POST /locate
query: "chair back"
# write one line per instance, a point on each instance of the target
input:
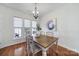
(30, 44)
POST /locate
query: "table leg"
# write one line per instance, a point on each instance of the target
(44, 52)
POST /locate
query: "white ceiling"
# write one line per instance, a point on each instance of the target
(43, 8)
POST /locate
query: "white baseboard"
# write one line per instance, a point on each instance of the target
(11, 43)
(68, 48)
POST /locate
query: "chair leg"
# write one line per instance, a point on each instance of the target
(28, 52)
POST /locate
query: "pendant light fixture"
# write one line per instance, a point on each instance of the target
(35, 12)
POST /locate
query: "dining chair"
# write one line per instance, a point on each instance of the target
(32, 48)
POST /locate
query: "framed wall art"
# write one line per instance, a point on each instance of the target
(52, 24)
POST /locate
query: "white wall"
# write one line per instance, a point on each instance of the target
(67, 25)
(6, 25)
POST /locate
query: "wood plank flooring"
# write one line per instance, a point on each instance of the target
(20, 50)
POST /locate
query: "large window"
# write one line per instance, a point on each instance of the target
(18, 24)
(23, 27)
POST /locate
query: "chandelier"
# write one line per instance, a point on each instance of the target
(35, 11)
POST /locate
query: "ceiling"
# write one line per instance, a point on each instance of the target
(44, 8)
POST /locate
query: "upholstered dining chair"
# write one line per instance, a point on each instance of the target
(32, 48)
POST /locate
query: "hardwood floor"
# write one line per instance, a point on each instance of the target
(20, 50)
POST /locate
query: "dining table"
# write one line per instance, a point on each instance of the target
(45, 42)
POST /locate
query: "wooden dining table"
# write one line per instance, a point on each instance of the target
(45, 42)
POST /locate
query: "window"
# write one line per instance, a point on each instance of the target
(34, 23)
(27, 27)
(23, 27)
(17, 32)
(34, 26)
(27, 23)
(18, 24)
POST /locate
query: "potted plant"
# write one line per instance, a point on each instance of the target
(38, 30)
